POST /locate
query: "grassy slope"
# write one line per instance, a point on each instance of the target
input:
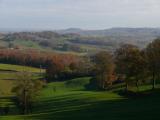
(7, 75)
(70, 101)
(9, 72)
(27, 44)
(18, 68)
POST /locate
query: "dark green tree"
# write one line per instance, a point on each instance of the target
(153, 58)
(130, 63)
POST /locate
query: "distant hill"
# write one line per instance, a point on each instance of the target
(78, 40)
(154, 32)
(70, 30)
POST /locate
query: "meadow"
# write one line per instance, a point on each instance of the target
(70, 100)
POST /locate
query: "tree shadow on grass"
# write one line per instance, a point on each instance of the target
(8, 106)
(103, 110)
(117, 109)
(139, 94)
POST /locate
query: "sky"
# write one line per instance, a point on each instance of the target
(85, 14)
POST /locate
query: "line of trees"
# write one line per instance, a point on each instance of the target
(130, 64)
(67, 67)
(24, 57)
(58, 66)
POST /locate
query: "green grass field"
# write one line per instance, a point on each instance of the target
(18, 68)
(8, 74)
(71, 100)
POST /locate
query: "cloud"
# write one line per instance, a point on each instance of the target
(79, 13)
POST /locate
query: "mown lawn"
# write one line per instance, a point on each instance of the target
(72, 101)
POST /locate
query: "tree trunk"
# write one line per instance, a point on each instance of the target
(126, 89)
(25, 101)
(137, 85)
(153, 81)
(102, 81)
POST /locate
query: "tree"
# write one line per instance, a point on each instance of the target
(55, 68)
(26, 88)
(130, 63)
(153, 57)
(82, 67)
(67, 66)
(104, 69)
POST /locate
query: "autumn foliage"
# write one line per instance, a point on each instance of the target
(128, 63)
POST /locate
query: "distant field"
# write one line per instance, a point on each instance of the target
(8, 67)
(8, 74)
(6, 87)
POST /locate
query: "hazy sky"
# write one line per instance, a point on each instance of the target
(87, 14)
